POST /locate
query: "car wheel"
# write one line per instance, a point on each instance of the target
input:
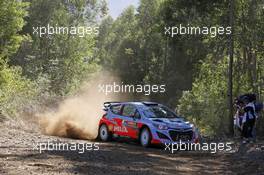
(145, 137)
(104, 133)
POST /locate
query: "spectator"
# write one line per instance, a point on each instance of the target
(249, 119)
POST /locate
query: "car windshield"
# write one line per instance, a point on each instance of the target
(159, 111)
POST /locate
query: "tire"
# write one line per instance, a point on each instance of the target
(104, 133)
(145, 137)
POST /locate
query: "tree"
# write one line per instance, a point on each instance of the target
(230, 72)
(11, 22)
(15, 90)
(65, 59)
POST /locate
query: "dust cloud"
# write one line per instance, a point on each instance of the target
(78, 116)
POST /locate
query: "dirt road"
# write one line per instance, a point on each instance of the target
(19, 156)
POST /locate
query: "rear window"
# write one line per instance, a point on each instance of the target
(116, 109)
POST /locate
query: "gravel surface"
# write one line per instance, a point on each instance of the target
(20, 154)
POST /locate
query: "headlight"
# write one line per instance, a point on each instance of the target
(161, 126)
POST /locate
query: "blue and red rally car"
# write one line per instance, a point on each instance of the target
(149, 122)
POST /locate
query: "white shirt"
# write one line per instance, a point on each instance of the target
(250, 115)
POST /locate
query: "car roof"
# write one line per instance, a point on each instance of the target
(144, 103)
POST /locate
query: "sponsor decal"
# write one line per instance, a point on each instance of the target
(120, 129)
(131, 124)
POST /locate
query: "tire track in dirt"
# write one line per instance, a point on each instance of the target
(18, 157)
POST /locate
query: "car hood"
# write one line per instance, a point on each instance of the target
(177, 123)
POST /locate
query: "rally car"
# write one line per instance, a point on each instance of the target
(148, 122)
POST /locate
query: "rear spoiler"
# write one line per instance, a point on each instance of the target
(147, 103)
(107, 105)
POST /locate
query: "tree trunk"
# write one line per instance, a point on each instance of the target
(230, 74)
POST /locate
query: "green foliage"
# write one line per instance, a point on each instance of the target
(66, 60)
(193, 67)
(135, 46)
(12, 13)
(31, 66)
(15, 90)
(206, 103)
